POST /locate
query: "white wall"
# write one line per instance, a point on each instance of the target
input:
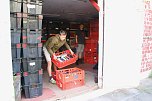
(101, 41)
(146, 64)
(122, 43)
(123, 38)
(6, 78)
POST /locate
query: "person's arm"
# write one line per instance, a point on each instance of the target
(76, 39)
(86, 35)
(49, 45)
(68, 47)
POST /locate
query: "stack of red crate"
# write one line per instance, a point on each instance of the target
(94, 29)
(70, 78)
(91, 57)
(90, 51)
(91, 45)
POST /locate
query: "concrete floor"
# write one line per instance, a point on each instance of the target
(58, 94)
(62, 94)
(143, 92)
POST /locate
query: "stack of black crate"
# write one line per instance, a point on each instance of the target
(15, 29)
(31, 48)
(15, 20)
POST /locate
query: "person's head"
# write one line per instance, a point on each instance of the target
(62, 35)
(81, 26)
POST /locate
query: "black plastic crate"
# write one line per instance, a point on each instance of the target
(16, 0)
(31, 8)
(32, 91)
(30, 78)
(25, 21)
(16, 64)
(33, 22)
(17, 87)
(33, 1)
(31, 37)
(15, 19)
(15, 36)
(24, 1)
(32, 50)
(39, 7)
(24, 6)
(16, 50)
(40, 17)
(15, 6)
(19, 1)
(31, 64)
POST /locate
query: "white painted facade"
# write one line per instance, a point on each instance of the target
(123, 39)
(122, 47)
(123, 35)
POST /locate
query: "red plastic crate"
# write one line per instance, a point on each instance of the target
(94, 29)
(91, 41)
(71, 74)
(90, 61)
(95, 37)
(90, 57)
(64, 63)
(94, 33)
(71, 84)
(94, 23)
(91, 47)
(90, 54)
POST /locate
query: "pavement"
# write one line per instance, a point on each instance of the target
(143, 92)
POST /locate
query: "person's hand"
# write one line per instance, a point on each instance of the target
(71, 52)
(54, 56)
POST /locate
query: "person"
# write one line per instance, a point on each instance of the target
(51, 46)
(81, 35)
